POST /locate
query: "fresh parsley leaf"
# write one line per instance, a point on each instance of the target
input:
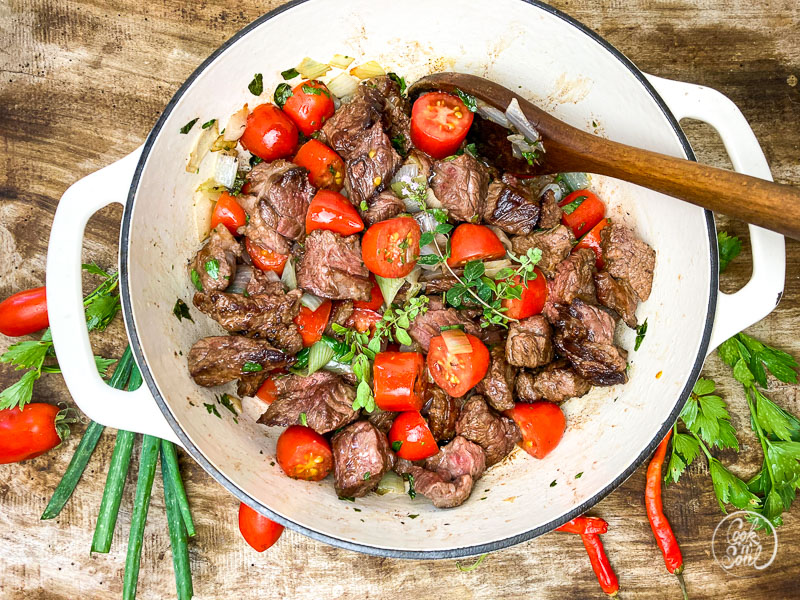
(212, 268)
(641, 331)
(531, 157)
(209, 123)
(469, 101)
(367, 475)
(282, 93)
(251, 367)
(572, 206)
(412, 493)
(289, 74)
(400, 81)
(19, 393)
(95, 270)
(101, 311)
(226, 401)
(256, 86)
(196, 280)
(729, 248)
(397, 445)
(254, 160)
(314, 91)
(706, 416)
(471, 149)
(772, 418)
(303, 419)
(27, 355)
(103, 364)
(364, 206)
(399, 144)
(187, 128)
(181, 311)
(212, 410)
(729, 489)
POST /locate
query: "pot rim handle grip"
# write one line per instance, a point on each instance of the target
(134, 411)
(763, 292)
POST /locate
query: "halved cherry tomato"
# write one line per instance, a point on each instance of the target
(24, 312)
(30, 431)
(325, 167)
(542, 424)
(268, 392)
(474, 242)
(456, 374)
(256, 529)
(363, 320)
(229, 213)
(582, 211)
(331, 210)
(399, 380)
(391, 248)
(304, 454)
(264, 259)
(269, 133)
(592, 241)
(439, 123)
(311, 323)
(412, 437)
(375, 297)
(533, 297)
(309, 106)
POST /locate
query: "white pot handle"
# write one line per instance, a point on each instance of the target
(134, 411)
(762, 293)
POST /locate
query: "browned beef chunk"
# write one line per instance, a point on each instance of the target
(371, 165)
(258, 231)
(248, 384)
(361, 456)
(461, 185)
(618, 295)
(551, 211)
(344, 129)
(443, 493)
(381, 207)
(332, 267)
(266, 316)
(628, 258)
(511, 206)
(325, 399)
(261, 283)
(340, 312)
(429, 324)
(557, 382)
(494, 433)
(574, 278)
(382, 419)
(396, 111)
(498, 383)
(215, 263)
(219, 359)
(555, 244)
(442, 411)
(529, 343)
(459, 457)
(284, 193)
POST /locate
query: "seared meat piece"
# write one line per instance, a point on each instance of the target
(557, 382)
(494, 433)
(258, 231)
(371, 165)
(381, 207)
(396, 111)
(442, 492)
(628, 258)
(219, 359)
(260, 283)
(382, 419)
(340, 312)
(574, 278)
(599, 324)
(498, 383)
(429, 324)
(442, 411)
(555, 244)
(618, 295)
(215, 263)
(248, 384)
(361, 456)
(345, 128)
(440, 284)
(511, 206)
(529, 343)
(459, 457)
(284, 194)
(332, 267)
(461, 185)
(267, 316)
(323, 396)
(551, 211)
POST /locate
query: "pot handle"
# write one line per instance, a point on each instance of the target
(134, 411)
(761, 294)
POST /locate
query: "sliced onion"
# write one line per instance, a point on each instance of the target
(576, 181)
(493, 114)
(201, 147)
(456, 341)
(202, 208)
(413, 282)
(334, 366)
(225, 170)
(311, 69)
(319, 356)
(501, 235)
(289, 277)
(310, 301)
(236, 124)
(340, 61)
(343, 85)
(240, 280)
(556, 189)
(427, 222)
(391, 483)
(433, 201)
(493, 267)
(367, 70)
(389, 287)
(520, 122)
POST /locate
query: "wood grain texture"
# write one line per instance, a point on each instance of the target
(82, 82)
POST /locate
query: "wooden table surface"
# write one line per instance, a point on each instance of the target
(82, 82)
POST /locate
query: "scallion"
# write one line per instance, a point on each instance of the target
(318, 356)
(389, 287)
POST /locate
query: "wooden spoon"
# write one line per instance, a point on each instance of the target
(568, 149)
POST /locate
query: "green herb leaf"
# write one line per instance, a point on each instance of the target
(95, 270)
(212, 410)
(27, 355)
(412, 493)
(367, 475)
(364, 206)
(101, 311)
(572, 206)
(641, 331)
(212, 268)
(188, 127)
(181, 311)
(429, 259)
(469, 101)
(196, 280)
(303, 419)
(289, 74)
(400, 81)
(20, 393)
(729, 489)
(209, 123)
(314, 91)
(397, 445)
(530, 157)
(226, 401)
(251, 367)
(474, 270)
(254, 160)
(282, 93)
(473, 566)
(729, 248)
(256, 86)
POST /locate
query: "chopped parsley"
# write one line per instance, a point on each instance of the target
(289, 74)
(572, 206)
(303, 419)
(225, 400)
(251, 367)
(399, 144)
(212, 268)
(256, 86)
(186, 128)
(397, 445)
(553, 483)
(641, 330)
(364, 206)
(315, 91)
(729, 248)
(400, 81)
(209, 123)
(530, 157)
(367, 476)
(282, 93)
(181, 311)
(469, 101)
(212, 410)
(579, 475)
(196, 280)
(411, 491)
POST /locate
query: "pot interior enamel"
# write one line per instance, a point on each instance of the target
(561, 67)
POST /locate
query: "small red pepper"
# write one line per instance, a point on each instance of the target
(602, 567)
(584, 525)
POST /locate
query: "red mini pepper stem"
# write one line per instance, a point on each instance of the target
(584, 525)
(602, 567)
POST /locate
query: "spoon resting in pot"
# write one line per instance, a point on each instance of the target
(568, 149)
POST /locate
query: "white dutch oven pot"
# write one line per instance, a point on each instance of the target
(554, 61)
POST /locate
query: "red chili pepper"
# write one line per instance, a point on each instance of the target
(602, 568)
(584, 525)
(658, 520)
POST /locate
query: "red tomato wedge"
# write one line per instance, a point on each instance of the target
(330, 210)
(311, 323)
(268, 392)
(363, 320)
(228, 212)
(24, 312)
(30, 431)
(592, 241)
(269, 133)
(375, 298)
(439, 123)
(399, 380)
(542, 425)
(474, 242)
(533, 297)
(411, 438)
(264, 259)
(582, 211)
(304, 454)
(309, 106)
(456, 374)
(256, 529)
(325, 167)
(391, 248)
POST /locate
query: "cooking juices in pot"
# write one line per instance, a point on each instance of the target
(413, 305)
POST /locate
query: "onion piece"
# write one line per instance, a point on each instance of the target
(318, 356)
(521, 123)
(236, 125)
(367, 70)
(456, 341)
(501, 235)
(413, 282)
(575, 181)
(493, 267)
(334, 366)
(557, 191)
(391, 483)
(201, 147)
(389, 287)
(239, 283)
(289, 277)
(341, 61)
(311, 69)
(493, 114)
(203, 207)
(343, 85)
(310, 301)
(226, 169)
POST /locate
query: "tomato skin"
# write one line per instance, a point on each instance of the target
(592, 241)
(228, 212)
(268, 392)
(28, 432)
(363, 320)
(399, 380)
(459, 373)
(269, 133)
(381, 247)
(474, 242)
(586, 216)
(304, 454)
(417, 442)
(330, 210)
(309, 111)
(24, 312)
(439, 123)
(256, 529)
(325, 167)
(264, 259)
(533, 298)
(311, 323)
(375, 298)
(542, 425)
